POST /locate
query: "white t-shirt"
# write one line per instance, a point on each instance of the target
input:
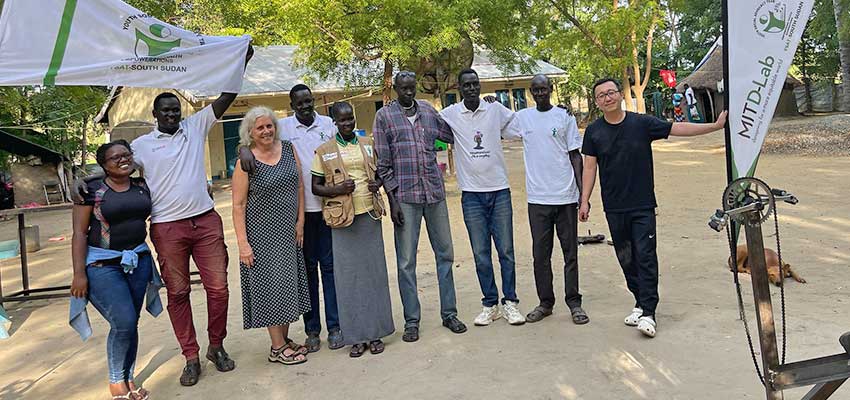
(547, 139)
(174, 168)
(306, 139)
(478, 145)
(689, 96)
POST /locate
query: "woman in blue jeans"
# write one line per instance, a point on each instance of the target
(112, 263)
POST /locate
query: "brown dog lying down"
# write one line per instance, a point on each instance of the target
(772, 260)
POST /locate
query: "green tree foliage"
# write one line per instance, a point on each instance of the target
(58, 117)
(596, 38)
(817, 55)
(699, 26)
(344, 39)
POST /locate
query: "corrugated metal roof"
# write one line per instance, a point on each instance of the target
(19, 146)
(271, 71)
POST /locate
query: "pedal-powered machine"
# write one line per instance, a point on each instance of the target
(749, 202)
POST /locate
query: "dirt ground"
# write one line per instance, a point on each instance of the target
(700, 351)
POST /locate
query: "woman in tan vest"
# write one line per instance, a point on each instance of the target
(344, 176)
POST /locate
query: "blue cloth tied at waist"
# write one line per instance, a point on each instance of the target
(79, 318)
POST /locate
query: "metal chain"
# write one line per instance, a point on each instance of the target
(741, 311)
(781, 282)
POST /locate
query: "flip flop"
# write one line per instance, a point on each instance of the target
(376, 347)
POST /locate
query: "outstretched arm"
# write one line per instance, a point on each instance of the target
(691, 129)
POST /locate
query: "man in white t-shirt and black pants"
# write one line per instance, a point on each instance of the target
(477, 127)
(552, 174)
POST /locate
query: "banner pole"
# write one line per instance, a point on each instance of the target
(727, 132)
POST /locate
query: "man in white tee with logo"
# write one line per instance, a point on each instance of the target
(486, 195)
(553, 169)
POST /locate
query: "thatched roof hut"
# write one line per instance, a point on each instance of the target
(703, 80)
(710, 71)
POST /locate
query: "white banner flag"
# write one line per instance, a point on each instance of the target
(109, 43)
(763, 37)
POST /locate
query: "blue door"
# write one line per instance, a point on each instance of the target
(231, 144)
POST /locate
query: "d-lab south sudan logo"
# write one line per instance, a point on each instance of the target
(157, 43)
(770, 18)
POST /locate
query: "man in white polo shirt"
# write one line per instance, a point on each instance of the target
(184, 222)
(553, 169)
(477, 127)
(307, 130)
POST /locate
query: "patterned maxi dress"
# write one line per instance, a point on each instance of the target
(274, 289)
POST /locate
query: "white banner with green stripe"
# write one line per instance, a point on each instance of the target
(763, 36)
(109, 43)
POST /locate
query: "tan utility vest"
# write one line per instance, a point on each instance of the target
(338, 211)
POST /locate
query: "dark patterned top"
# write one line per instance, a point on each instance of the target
(119, 219)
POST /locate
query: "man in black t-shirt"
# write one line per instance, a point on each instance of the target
(620, 144)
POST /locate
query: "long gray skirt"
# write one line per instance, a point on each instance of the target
(360, 275)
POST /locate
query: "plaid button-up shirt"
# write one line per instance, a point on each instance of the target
(407, 159)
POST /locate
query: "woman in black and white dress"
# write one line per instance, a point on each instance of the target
(268, 216)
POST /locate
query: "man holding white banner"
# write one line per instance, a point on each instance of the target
(109, 43)
(620, 144)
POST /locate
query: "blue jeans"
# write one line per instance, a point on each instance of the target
(489, 215)
(406, 243)
(319, 257)
(119, 298)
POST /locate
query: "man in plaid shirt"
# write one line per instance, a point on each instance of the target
(404, 134)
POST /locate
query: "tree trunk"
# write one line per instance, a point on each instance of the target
(807, 85)
(387, 88)
(641, 102)
(627, 91)
(842, 15)
(84, 143)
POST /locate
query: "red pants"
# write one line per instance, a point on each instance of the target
(201, 237)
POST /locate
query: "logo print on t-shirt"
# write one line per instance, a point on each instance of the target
(477, 138)
(554, 131)
(322, 135)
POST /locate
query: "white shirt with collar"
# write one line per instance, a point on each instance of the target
(478, 145)
(174, 168)
(306, 139)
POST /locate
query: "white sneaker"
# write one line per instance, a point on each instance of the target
(488, 315)
(647, 325)
(632, 319)
(512, 313)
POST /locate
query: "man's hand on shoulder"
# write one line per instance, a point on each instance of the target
(247, 160)
(80, 188)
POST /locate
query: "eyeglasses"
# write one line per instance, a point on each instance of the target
(610, 93)
(116, 158)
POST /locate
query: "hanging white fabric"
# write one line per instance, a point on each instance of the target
(109, 43)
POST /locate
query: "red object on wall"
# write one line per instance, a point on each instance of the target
(668, 76)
